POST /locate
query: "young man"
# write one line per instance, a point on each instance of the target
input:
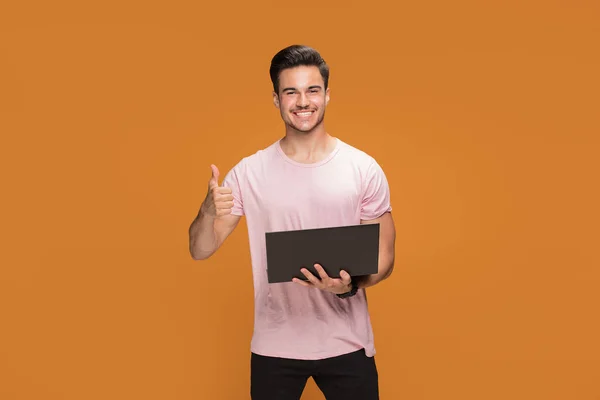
(308, 179)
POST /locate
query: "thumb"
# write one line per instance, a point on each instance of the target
(346, 278)
(214, 179)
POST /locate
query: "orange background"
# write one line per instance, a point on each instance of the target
(485, 118)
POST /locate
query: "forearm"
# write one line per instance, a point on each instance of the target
(386, 266)
(203, 238)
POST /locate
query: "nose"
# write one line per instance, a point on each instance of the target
(302, 100)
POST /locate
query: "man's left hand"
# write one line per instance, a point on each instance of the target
(334, 285)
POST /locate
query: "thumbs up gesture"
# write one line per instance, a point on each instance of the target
(219, 200)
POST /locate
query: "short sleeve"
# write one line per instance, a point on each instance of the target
(376, 193)
(233, 181)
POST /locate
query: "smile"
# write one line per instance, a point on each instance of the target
(304, 113)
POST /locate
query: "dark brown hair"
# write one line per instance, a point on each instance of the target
(295, 56)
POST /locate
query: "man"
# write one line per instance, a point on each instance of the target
(308, 179)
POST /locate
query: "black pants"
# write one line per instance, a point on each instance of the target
(347, 377)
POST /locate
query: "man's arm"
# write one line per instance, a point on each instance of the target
(387, 240)
(214, 222)
(207, 233)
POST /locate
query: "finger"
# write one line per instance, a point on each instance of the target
(222, 190)
(212, 184)
(223, 205)
(321, 272)
(346, 278)
(223, 197)
(215, 172)
(301, 282)
(214, 179)
(313, 279)
(222, 212)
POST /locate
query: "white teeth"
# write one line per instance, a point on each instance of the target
(304, 114)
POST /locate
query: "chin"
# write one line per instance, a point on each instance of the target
(303, 129)
(306, 130)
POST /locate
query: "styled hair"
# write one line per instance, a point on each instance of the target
(294, 56)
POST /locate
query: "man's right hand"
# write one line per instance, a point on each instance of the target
(219, 200)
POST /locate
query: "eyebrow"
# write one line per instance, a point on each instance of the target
(310, 87)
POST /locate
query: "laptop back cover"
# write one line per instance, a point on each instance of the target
(353, 248)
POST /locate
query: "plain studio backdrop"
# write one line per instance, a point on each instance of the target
(484, 116)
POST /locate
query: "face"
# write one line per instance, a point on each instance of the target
(302, 98)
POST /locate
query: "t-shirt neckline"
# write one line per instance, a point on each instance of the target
(309, 165)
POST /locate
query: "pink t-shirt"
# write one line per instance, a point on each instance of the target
(276, 193)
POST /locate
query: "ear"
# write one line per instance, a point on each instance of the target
(275, 100)
(327, 96)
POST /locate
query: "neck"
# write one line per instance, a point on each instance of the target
(307, 146)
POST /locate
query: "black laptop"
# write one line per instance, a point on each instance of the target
(353, 248)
